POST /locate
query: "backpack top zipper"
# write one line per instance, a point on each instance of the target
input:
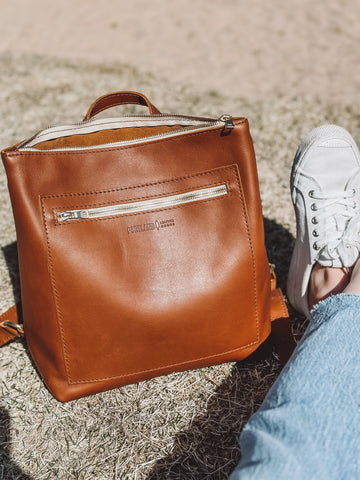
(90, 126)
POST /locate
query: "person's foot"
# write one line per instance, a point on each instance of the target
(325, 190)
(326, 281)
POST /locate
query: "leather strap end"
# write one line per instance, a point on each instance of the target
(10, 328)
(282, 337)
(278, 305)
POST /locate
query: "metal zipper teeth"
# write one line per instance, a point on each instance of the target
(95, 121)
(145, 205)
(89, 129)
(107, 124)
(127, 142)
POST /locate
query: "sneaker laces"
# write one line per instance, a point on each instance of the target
(339, 240)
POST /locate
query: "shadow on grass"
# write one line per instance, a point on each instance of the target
(279, 246)
(12, 262)
(8, 469)
(209, 448)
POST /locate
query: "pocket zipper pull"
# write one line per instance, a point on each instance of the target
(151, 204)
(227, 119)
(70, 215)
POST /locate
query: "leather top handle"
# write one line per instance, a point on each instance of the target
(119, 98)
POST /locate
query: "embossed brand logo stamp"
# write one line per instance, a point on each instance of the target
(157, 225)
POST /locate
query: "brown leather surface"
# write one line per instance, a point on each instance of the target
(104, 306)
(119, 98)
(278, 307)
(281, 330)
(105, 136)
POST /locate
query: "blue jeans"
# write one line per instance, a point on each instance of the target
(308, 426)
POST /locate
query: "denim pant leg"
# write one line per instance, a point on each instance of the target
(308, 426)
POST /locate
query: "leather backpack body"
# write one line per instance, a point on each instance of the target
(141, 247)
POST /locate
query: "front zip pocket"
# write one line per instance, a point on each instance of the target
(157, 266)
(145, 205)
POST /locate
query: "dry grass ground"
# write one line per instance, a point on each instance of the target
(183, 426)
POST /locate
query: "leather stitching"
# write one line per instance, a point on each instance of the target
(243, 204)
(187, 362)
(56, 295)
(139, 185)
(52, 275)
(161, 367)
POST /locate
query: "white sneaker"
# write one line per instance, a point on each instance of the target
(325, 191)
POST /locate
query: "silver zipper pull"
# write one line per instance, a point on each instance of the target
(70, 215)
(63, 216)
(227, 119)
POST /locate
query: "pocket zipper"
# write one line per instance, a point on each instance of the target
(144, 205)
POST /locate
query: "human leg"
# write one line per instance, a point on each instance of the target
(308, 425)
